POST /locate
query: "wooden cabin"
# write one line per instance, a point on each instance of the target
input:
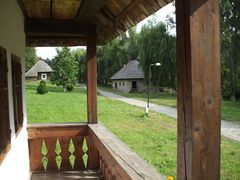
(90, 23)
(130, 78)
(40, 71)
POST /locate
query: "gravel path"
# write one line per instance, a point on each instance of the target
(230, 130)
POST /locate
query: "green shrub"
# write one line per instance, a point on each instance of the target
(42, 88)
(69, 87)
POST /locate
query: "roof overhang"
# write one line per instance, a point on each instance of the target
(71, 22)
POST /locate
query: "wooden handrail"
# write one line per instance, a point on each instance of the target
(117, 160)
(38, 131)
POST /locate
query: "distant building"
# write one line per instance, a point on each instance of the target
(130, 78)
(40, 71)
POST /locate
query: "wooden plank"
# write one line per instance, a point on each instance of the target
(68, 175)
(65, 143)
(56, 27)
(56, 130)
(35, 154)
(51, 154)
(65, 9)
(91, 80)
(88, 10)
(78, 145)
(51, 40)
(93, 155)
(118, 157)
(198, 65)
(37, 9)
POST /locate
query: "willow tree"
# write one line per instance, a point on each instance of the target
(110, 58)
(157, 45)
(30, 58)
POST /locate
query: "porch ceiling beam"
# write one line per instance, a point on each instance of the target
(33, 27)
(88, 10)
(33, 41)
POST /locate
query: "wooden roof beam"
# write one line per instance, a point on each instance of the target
(34, 41)
(34, 27)
(88, 10)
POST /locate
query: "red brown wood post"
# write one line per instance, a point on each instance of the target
(91, 80)
(198, 66)
(93, 158)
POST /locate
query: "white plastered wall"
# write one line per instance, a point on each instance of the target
(127, 87)
(12, 37)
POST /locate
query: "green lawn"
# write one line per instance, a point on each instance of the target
(153, 137)
(230, 109)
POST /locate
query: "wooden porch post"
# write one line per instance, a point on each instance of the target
(198, 66)
(91, 80)
(93, 156)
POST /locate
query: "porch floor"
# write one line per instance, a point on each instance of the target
(68, 175)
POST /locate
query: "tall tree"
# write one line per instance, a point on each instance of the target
(110, 58)
(80, 57)
(30, 58)
(157, 45)
(65, 68)
(230, 38)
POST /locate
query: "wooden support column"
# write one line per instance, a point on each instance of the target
(198, 66)
(93, 156)
(91, 80)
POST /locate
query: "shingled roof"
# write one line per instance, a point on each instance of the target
(40, 66)
(131, 71)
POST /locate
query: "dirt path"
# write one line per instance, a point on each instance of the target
(230, 130)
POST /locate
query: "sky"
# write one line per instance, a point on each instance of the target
(50, 52)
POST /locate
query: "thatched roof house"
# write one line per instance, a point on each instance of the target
(129, 78)
(40, 71)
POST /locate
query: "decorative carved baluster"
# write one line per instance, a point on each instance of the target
(78, 144)
(58, 157)
(35, 147)
(51, 155)
(64, 143)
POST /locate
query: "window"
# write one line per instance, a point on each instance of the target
(5, 132)
(17, 92)
(43, 76)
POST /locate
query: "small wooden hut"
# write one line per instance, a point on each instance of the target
(40, 71)
(130, 78)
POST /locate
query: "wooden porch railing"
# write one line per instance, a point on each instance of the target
(60, 147)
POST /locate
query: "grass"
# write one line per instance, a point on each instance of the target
(153, 138)
(230, 110)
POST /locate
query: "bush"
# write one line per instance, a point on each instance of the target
(42, 88)
(69, 87)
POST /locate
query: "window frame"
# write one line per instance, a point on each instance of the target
(5, 130)
(17, 93)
